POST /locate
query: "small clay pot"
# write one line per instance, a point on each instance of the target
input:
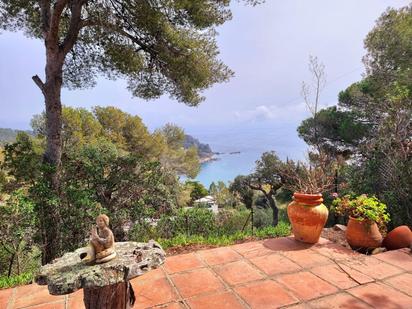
(308, 216)
(400, 237)
(363, 234)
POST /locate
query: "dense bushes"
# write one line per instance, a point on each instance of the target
(199, 223)
(262, 217)
(8, 282)
(231, 221)
(196, 221)
(282, 229)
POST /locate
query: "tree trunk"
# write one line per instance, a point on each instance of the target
(18, 263)
(272, 203)
(115, 296)
(251, 213)
(52, 157)
(11, 264)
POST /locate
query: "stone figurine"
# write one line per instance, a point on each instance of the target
(101, 248)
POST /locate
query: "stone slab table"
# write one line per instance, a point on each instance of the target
(105, 285)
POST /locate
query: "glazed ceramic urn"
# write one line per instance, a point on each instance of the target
(308, 216)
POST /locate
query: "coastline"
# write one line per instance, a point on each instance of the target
(208, 159)
(214, 156)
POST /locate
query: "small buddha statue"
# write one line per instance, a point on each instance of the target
(101, 248)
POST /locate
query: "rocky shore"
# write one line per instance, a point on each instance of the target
(208, 158)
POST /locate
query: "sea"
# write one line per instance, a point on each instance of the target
(240, 148)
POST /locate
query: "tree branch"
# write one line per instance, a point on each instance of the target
(116, 29)
(45, 16)
(257, 188)
(55, 20)
(38, 82)
(74, 27)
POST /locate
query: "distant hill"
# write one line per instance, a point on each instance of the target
(9, 135)
(204, 150)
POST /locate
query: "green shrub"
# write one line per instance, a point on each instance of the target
(198, 190)
(230, 221)
(142, 232)
(262, 217)
(284, 196)
(282, 229)
(12, 281)
(194, 221)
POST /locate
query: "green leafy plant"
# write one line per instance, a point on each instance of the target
(181, 240)
(362, 208)
(9, 282)
(231, 221)
(17, 222)
(195, 221)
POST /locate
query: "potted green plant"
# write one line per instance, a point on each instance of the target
(367, 216)
(306, 212)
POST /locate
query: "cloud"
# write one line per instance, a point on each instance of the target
(284, 113)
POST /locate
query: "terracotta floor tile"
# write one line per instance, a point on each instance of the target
(75, 300)
(397, 258)
(247, 246)
(274, 264)
(265, 294)
(402, 282)
(33, 294)
(238, 272)
(219, 255)
(372, 267)
(258, 252)
(335, 275)
(285, 244)
(335, 252)
(153, 292)
(182, 262)
(172, 306)
(241, 264)
(222, 300)
(58, 305)
(306, 285)
(151, 275)
(5, 296)
(357, 276)
(341, 301)
(382, 296)
(196, 282)
(300, 306)
(307, 258)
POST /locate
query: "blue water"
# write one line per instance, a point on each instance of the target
(251, 143)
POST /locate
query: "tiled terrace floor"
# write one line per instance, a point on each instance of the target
(275, 273)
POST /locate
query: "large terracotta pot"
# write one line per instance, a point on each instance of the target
(308, 216)
(363, 234)
(400, 237)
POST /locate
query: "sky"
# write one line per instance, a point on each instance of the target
(268, 48)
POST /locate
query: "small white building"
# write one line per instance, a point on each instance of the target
(210, 202)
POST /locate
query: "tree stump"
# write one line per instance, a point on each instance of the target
(105, 286)
(115, 296)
